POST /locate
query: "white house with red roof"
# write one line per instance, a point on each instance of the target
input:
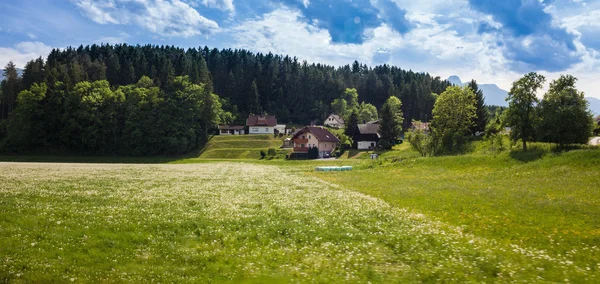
(261, 124)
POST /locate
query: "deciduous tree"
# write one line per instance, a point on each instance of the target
(521, 107)
(563, 114)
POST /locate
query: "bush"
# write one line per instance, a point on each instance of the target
(262, 154)
(271, 152)
(313, 153)
(421, 142)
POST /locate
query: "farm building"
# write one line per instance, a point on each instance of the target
(366, 136)
(232, 130)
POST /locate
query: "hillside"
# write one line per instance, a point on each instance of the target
(240, 146)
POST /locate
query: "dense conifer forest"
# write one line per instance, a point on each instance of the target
(122, 99)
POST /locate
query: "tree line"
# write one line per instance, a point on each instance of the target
(97, 118)
(296, 92)
(91, 90)
(562, 116)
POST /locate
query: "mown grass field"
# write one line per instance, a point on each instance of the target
(474, 218)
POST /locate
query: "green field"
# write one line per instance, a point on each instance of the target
(474, 218)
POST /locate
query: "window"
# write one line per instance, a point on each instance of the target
(303, 137)
(309, 137)
(267, 129)
(255, 129)
(301, 145)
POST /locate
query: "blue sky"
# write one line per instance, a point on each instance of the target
(488, 40)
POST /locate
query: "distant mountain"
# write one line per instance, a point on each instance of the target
(19, 71)
(493, 94)
(455, 80)
(594, 105)
(497, 97)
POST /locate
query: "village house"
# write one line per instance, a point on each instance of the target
(231, 130)
(334, 120)
(366, 136)
(261, 124)
(315, 136)
(420, 126)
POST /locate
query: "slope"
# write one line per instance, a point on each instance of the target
(239, 146)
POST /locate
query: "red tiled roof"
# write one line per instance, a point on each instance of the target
(261, 120)
(320, 133)
(231, 127)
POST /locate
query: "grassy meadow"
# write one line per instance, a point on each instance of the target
(507, 217)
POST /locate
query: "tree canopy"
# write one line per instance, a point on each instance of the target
(563, 114)
(521, 102)
(453, 116)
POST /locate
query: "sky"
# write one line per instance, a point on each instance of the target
(488, 40)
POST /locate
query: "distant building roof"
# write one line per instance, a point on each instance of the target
(336, 117)
(261, 120)
(424, 126)
(231, 127)
(320, 133)
(368, 129)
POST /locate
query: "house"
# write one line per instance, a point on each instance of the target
(261, 124)
(315, 136)
(335, 121)
(288, 143)
(420, 126)
(366, 136)
(231, 130)
(282, 129)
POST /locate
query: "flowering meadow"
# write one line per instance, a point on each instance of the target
(235, 222)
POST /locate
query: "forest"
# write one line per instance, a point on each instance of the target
(148, 100)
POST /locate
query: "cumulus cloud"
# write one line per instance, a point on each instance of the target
(531, 37)
(226, 5)
(428, 47)
(22, 52)
(162, 17)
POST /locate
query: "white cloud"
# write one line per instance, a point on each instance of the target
(163, 17)
(429, 47)
(22, 52)
(121, 38)
(226, 5)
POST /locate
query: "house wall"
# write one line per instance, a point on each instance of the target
(365, 145)
(334, 124)
(312, 140)
(261, 130)
(228, 132)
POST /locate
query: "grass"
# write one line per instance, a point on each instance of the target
(241, 147)
(477, 217)
(234, 222)
(540, 199)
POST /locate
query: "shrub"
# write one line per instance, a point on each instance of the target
(313, 153)
(262, 154)
(271, 152)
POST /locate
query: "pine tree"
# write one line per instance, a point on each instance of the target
(254, 99)
(351, 124)
(10, 88)
(390, 124)
(481, 114)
